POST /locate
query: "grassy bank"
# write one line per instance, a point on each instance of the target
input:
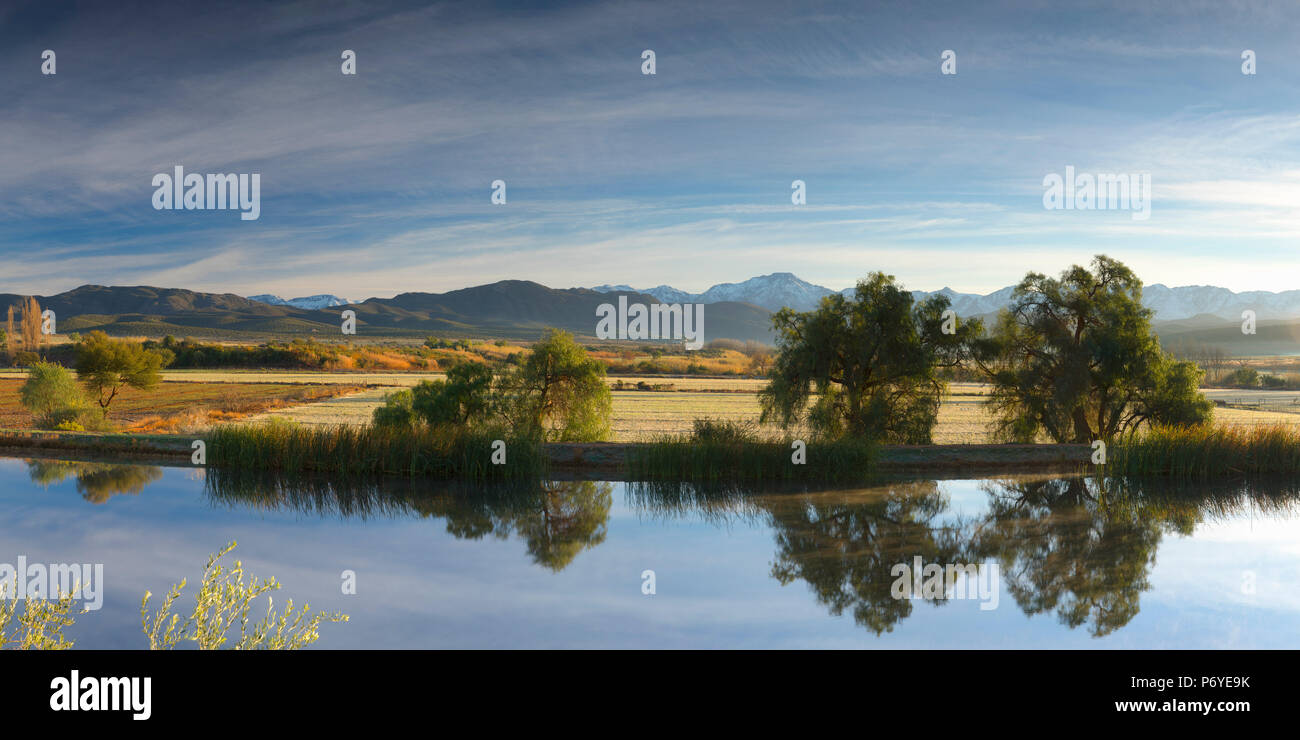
(719, 454)
(367, 450)
(1208, 452)
(724, 450)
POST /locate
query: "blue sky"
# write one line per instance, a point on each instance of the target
(379, 183)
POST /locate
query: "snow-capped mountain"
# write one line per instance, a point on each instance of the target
(769, 291)
(665, 293)
(1170, 304)
(311, 302)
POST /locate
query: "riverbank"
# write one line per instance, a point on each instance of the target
(607, 460)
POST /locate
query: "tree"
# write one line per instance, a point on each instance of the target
(106, 365)
(30, 326)
(873, 362)
(558, 394)
(1244, 377)
(462, 400)
(760, 363)
(1075, 358)
(52, 395)
(396, 410)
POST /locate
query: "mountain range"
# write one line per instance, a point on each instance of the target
(517, 309)
(522, 309)
(1170, 304)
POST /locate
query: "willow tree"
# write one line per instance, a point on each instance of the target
(1075, 358)
(558, 393)
(869, 366)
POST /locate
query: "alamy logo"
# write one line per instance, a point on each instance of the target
(39, 581)
(93, 694)
(954, 581)
(1087, 192)
(656, 321)
(195, 192)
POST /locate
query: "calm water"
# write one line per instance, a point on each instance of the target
(560, 564)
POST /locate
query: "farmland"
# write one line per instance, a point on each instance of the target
(191, 399)
(640, 415)
(185, 406)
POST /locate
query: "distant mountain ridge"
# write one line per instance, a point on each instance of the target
(522, 309)
(1170, 304)
(519, 309)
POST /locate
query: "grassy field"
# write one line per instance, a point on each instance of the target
(644, 415)
(190, 406)
(192, 399)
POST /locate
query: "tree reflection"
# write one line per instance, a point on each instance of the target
(845, 547)
(556, 519)
(1062, 550)
(1080, 548)
(96, 482)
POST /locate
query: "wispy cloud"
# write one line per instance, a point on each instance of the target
(379, 183)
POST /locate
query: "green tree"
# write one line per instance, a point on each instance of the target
(462, 400)
(396, 410)
(558, 393)
(872, 361)
(1246, 377)
(1075, 358)
(52, 395)
(106, 365)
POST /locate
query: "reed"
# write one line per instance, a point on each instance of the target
(1208, 451)
(721, 451)
(370, 450)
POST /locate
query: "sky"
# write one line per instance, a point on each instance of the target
(380, 182)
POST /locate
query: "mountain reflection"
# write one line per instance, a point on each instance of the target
(1080, 548)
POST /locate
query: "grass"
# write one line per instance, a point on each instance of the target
(367, 450)
(726, 450)
(645, 416)
(1208, 452)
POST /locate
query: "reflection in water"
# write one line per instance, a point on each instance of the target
(1064, 549)
(557, 519)
(96, 482)
(845, 546)
(1081, 549)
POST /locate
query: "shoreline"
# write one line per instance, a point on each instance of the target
(584, 459)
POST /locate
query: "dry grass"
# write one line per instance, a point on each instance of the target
(196, 398)
(182, 407)
(645, 415)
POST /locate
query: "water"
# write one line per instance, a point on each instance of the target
(560, 564)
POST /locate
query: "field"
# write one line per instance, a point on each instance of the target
(191, 399)
(643, 415)
(184, 406)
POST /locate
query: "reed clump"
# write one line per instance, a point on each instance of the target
(717, 451)
(374, 450)
(1208, 451)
